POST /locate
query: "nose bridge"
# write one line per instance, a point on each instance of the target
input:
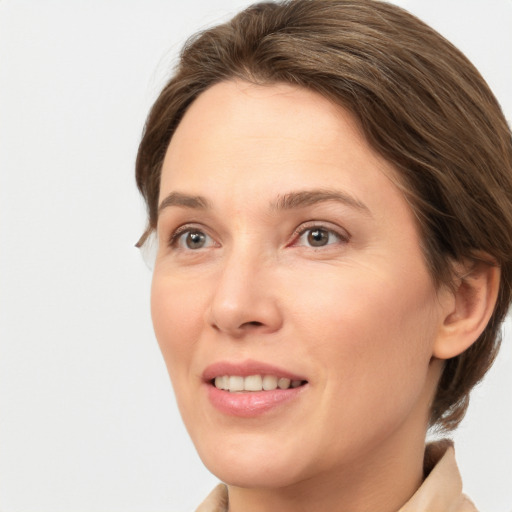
(242, 299)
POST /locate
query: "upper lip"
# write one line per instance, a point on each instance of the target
(246, 368)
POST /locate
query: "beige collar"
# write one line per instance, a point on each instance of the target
(441, 490)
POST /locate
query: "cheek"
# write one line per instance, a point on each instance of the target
(373, 341)
(177, 313)
(364, 309)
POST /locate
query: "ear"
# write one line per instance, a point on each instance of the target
(468, 307)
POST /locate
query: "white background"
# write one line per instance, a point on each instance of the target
(87, 418)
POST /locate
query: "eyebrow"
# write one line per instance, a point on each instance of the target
(288, 201)
(303, 198)
(185, 201)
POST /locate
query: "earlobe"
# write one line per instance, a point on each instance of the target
(469, 309)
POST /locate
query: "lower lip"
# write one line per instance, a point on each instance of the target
(251, 403)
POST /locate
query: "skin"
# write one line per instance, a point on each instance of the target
(359, 317)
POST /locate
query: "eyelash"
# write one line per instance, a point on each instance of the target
(343, 237)
(183, 230)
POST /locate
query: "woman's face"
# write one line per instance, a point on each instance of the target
(287, 252)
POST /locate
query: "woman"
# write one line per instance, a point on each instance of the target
(330, 183)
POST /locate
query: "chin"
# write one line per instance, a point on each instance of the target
(251, 463)
(250, 475)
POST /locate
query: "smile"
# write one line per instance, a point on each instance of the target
(248, 389)
(237, 383)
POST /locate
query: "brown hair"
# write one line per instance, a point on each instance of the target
(420, 103)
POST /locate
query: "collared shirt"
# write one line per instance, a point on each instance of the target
(441, 490)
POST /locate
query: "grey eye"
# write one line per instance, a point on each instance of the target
(191, 239)
(318, 237)
(195, 239)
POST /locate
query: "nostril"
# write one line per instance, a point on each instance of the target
(243, 327)
(253, 324)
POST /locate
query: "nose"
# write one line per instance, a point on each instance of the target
(245, 297)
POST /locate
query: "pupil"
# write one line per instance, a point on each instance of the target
(195, 240)
(318, 237)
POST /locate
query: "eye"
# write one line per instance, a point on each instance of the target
(191, 239)
(319, 236)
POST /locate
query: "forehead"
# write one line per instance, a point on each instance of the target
(252, 106)
(238, 136)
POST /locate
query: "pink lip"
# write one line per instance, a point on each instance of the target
(252, 403)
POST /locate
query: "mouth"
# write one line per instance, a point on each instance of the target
(254, 383)
(251, 388)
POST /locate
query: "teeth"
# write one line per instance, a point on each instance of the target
(222, 382)
(253, 383)
(283, 383)
(234, 383)
(269, 383)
